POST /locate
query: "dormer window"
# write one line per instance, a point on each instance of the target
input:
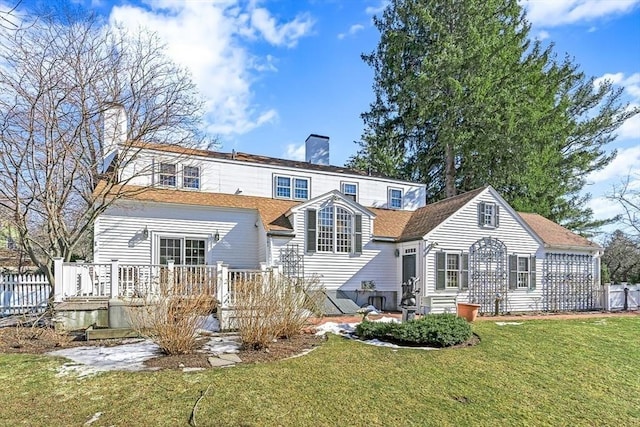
(167, 175)
(350, 190)
(288, 187)
(395, 198)
(333, 229)
(191, 177)
(488, 215)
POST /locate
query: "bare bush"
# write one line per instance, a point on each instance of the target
(273, 306)
(171, 318)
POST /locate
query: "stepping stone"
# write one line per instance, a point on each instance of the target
(230, 357)
(217, 362)
(192, 369)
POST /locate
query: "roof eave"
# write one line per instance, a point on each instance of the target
(573, 247)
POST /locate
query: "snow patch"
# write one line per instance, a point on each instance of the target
(508, 323)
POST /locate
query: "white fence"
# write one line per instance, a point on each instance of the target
(80, 280)
(615, 296)
(23, 294)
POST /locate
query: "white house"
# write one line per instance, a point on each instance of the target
(362, 235)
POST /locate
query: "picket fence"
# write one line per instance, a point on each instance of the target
(23, 294)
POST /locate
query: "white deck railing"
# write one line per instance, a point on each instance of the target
(116, 280)
(23, 293)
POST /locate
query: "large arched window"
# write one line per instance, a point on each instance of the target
(334, 229)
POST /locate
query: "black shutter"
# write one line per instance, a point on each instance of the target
(464, 274)
(311, 229)
(440, 271)
(513, 271)
(532, 272)
(497, 213)
(358, 236)
(480, 214)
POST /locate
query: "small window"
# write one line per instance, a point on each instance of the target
(167, 174)
(488, 215)
(453, 271)
(301, 189)
(350, 190)
(523, 272)
(191, 177)
(283, 187)
(11, 243)
(395, 198)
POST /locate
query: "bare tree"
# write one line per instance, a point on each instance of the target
(622, 257)
(628, 195)
(61, 78)
(7, 20)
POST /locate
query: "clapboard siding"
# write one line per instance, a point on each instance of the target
(118, 233)
(228, 176)
(342, 270)
(460, 231)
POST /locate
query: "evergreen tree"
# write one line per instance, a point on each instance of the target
(464, 98)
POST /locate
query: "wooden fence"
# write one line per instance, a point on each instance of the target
(615, 296)
(23, 294)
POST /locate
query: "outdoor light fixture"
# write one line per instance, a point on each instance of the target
(396, 253)
(216, 237)
(145, 233)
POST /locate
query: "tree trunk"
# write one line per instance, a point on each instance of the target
(450, 171)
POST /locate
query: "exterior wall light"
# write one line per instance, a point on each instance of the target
(216, 237)
(145, 233)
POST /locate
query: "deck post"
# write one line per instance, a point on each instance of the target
(58, 276)
(223, 284)
(114, 279)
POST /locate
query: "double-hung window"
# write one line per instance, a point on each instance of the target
(452, 270)
(395, 198)
(287, 187)
(488, 215)
(350, 190)
(522, 272)
(167, 175)
(191, 177)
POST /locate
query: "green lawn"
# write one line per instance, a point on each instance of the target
(546, 372)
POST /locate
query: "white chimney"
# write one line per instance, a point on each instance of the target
(317, 149)
(114, 132)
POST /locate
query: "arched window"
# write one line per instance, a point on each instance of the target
(336, 230)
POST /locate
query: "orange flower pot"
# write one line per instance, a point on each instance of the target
(468, 311)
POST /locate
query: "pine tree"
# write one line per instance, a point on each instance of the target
(464, 98)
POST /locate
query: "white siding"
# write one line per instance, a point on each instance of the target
(342, 270)
(460, 231)
(229, 176)
(118, 233)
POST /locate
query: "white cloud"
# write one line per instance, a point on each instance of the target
(207, 38)
(604, 208)
(542, 35)
(352, 30)
(630, 129)
(295, 152)
(551, 13)
(280, 35)
(627, 161)
(376, 10)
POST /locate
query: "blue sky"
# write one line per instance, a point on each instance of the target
(274, 71)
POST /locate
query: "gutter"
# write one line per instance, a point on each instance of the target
(384, 239)
(281, 233)
(575, 248)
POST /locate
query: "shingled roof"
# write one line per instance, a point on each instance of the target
(553, 234)
(430, 216)
(254, 158)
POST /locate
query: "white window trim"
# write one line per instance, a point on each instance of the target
(458, 271)
(156, 236)
(334, 231)
(161, 173)
(492, 217)
(527, 258)
(390, 191)
(355, 184)
(292, 186)
(199, 177)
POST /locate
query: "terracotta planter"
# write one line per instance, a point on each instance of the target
(468, 311)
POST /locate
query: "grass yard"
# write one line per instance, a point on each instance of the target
(543, 372)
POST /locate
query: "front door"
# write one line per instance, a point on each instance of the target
(408, 267)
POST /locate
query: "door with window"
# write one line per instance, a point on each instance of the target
(189, 258)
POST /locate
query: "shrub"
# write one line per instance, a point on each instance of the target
(273, 306)
(371, 330)
(435, 330)
(171, 318)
